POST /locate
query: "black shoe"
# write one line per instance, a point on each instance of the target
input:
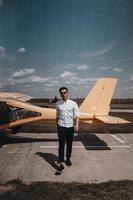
(59, 162)
(68, 162)
(61, 168)
(57, 173)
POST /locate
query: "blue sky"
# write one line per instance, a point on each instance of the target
(46, 44)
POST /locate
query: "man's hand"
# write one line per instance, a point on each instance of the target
(76, 127)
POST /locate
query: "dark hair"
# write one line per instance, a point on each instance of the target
(63, 88)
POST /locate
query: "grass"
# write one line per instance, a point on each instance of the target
(112, 190)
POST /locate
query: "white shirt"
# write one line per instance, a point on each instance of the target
(66, 112)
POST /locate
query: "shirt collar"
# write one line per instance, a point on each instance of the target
(65, 101)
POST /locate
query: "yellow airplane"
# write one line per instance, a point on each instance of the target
(94, 109)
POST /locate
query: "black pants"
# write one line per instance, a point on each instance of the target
(65, 135)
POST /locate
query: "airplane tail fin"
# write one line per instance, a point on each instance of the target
(98, 100)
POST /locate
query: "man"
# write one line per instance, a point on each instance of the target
(67, 116)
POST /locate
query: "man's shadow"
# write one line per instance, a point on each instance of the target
(50, 158)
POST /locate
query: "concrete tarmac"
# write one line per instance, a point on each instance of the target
(32, 157)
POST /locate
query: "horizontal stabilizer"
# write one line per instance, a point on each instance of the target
(112, 120)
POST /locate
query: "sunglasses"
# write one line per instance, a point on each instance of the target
(63, 92)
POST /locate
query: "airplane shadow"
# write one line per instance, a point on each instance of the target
(90, 141)
(19, 139)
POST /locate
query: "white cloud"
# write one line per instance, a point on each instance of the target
(67, 74)
(25, 76)
(83, 67)
(104, 68)
(1, 3)
(118, 69)
(49, 85)
(123, 59)
(74, 65)
(79, 81)
(37, 79)
(98, 53)
(84, 81)
(21, 50)
(92, 79)
(26, 80)
(11, 58)
(70, 78)
(127, 88)
(2, 52)
(23, 73)
(48, 89)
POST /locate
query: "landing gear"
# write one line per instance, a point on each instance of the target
(16, 129)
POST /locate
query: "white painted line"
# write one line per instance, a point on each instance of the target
(121, 141)
(57, 146)
(124, 146)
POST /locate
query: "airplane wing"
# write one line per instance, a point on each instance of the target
(13, 95)
(25, 105)
(45, 112)
(20, 122)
